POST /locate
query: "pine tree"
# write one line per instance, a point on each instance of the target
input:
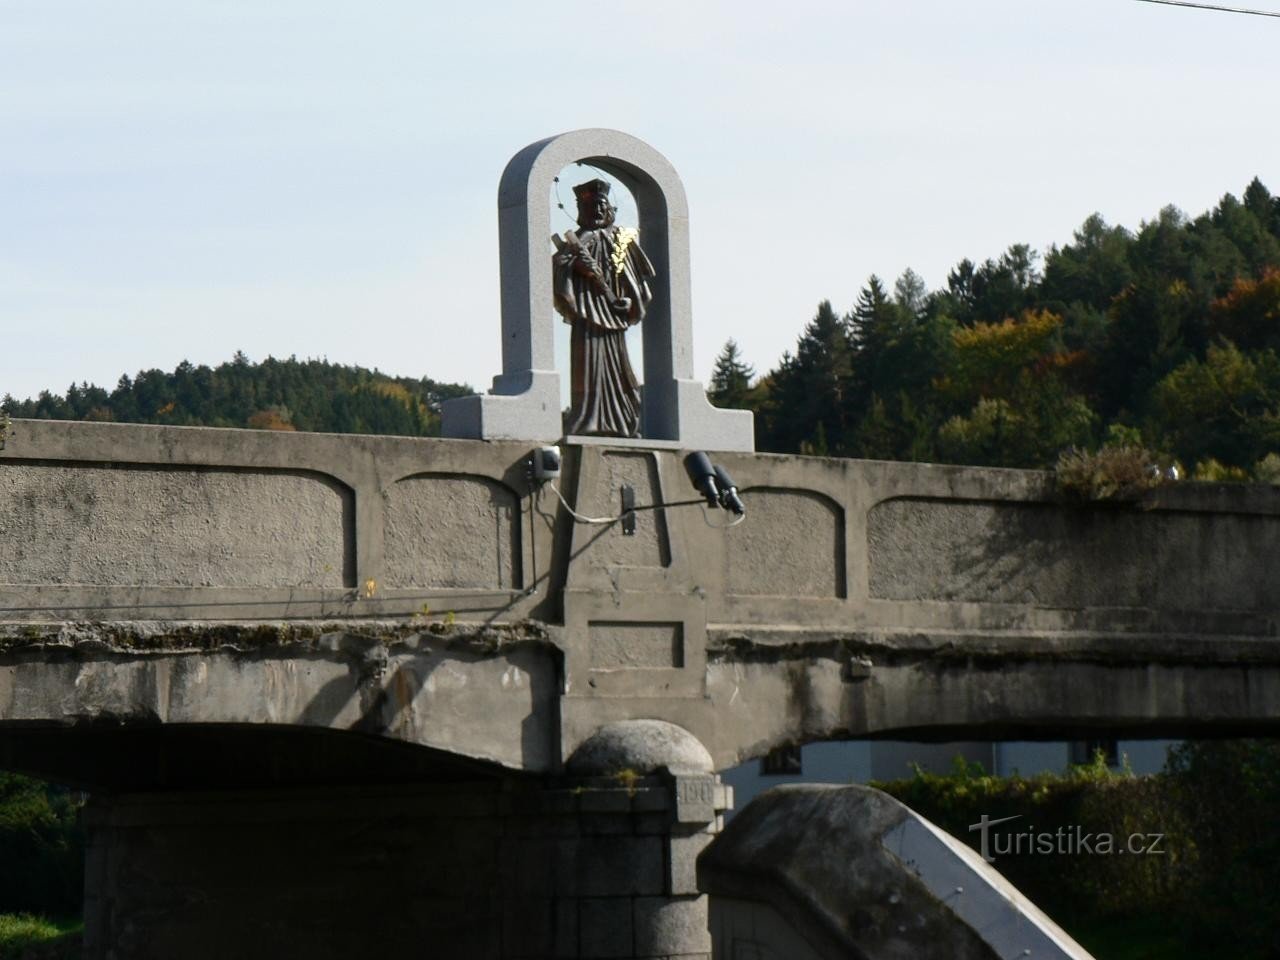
(813, 387)
(731, 378)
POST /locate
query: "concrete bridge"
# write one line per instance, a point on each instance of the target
(264, 632)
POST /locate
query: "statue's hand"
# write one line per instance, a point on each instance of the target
(622, 305)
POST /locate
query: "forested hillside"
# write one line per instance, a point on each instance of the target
(1166, 338)
(274, 394)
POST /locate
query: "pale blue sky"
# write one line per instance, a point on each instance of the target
(185, 178)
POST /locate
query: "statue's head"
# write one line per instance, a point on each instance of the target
(594, 209)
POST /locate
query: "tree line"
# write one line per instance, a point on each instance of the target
(274, 394)
(1165, 338)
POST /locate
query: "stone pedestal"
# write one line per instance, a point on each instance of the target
(600, 866)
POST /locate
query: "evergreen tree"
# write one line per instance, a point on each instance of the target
(810, 390)
(731, 378)
(273, 394)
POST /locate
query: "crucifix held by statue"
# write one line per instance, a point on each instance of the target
(600, 283)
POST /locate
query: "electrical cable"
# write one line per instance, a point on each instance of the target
(706, 518)
(1215, 7)
(648, 506)
(574, 513)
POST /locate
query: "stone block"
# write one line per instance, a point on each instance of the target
(696, 798)
(671, 927)
(652, 823)
(529, 867)
(724, 797)
(647, 799)
(682, 862)
(605, 824)
(605, 927)
(618, 866)
(605, 801)
(557, 801)
(542, 826)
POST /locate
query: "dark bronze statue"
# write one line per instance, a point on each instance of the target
(601, 282)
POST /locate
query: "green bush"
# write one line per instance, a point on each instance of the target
(1230, 792)
(1092, 798)
(1111, 473)
(42, 847)
(1216, 883)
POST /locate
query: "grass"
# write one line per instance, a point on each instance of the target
(24, 937)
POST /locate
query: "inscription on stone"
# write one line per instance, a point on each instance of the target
(695, 799)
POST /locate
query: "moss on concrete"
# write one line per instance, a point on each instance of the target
(150, 636)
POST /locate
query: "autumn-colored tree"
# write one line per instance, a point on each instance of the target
(274, 418)
(1249, 315)
(990, 358)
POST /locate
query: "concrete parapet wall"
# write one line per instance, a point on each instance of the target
(125, 522)
(857, 599)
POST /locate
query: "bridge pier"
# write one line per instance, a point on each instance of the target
(592, 866)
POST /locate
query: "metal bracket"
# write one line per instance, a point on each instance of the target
(628, 511)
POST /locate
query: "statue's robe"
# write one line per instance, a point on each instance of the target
(588, 276)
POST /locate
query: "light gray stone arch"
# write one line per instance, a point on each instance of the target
(524, 403)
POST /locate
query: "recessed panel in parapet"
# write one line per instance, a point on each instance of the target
(88, 524)
(650, 545)
(636, 646)
(792, 545)
(1050, 555)
(452, 531)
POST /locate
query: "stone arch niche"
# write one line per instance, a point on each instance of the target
(524, 403)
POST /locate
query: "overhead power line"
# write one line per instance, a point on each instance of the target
(1214, 6)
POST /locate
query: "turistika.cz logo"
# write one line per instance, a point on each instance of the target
(1065, 840)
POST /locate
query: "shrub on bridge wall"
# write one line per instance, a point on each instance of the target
(41, 848)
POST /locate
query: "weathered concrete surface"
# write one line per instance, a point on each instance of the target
(826, 872)
(857, 599)
(127, 522)
(485, 694)
(786, 687)
(452, 532)
(1013, 553)
(179, 528)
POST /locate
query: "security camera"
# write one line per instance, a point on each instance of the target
(729, 498)
(703, 477)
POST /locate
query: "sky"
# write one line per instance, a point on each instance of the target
(182, 180)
